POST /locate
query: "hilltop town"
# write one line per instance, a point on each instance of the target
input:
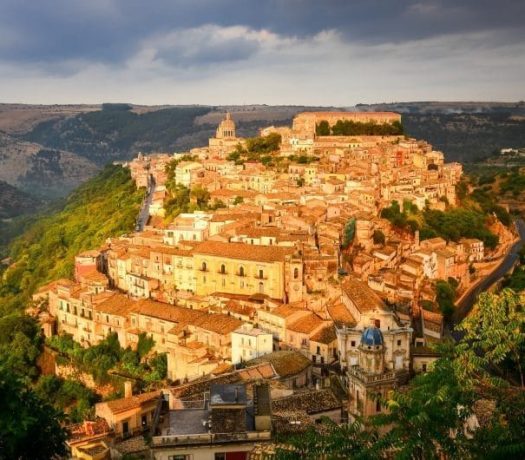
(281, 276)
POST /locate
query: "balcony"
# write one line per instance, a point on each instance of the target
(209, 438)
(367, 378)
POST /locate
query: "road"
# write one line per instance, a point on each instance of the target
(143, 216)
(464, 306)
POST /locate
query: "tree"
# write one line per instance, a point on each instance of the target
(20, 344)
(201, 196)
(427, 418)
(446, 294)
(29, 427)
(322, 128)
(495, 333)
(378, 237)
(348, 233)
(330, 441)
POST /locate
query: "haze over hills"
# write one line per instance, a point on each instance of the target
(14, 202)
(48, 150)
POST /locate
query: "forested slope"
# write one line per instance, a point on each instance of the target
(106, 205)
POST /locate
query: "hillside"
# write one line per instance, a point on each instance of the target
(46, 250)
(118, 133)
(464, 131)
(14, 202)
(44, 173)
(49, 150)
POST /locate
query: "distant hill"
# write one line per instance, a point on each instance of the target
(464, 131)
(118, 133)
(48, 150)
(43, 172)
(14, 202)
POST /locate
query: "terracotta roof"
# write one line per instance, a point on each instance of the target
(307, 324)
(312, 402)
(117, 304)
(243, 251)
(286, 310)
(361, 295)
(218, 323)
(168, 312)
(326, 335)
(124, 404)
(340, 315)
(286, 363)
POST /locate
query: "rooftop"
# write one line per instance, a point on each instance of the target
(243, 251)
(361, 295)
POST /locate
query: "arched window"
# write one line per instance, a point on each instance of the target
(261, 288)
(241, 271)
(204, 266)
(223, 269)
(295, 273)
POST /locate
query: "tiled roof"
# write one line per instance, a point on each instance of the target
(243, 251)
(286, 310)
(311, 402)
(117, 304)
(286, 363)
(168, 312)
(361, 295)
(124, 404)
(326, 335)
(218, 323)
(306, 325)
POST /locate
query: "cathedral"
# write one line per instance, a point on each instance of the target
(225, 140)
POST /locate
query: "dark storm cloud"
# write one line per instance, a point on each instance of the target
(111, 31)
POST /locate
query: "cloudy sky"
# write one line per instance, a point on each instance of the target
(327, 52)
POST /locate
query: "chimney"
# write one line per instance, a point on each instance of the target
(128, 389)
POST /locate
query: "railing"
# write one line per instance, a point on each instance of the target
(372, 378)
(209, 438)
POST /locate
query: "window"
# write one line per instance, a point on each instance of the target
(261, 288)
(223, 269)
(424, 367)
(378, 406)
(220, 456)
(399, 343)
(295, 273)
(261, 274)
(318, 350)
(352, 343)
(203, 266)
(241, 271)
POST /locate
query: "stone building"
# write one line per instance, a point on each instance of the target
(375, 353)
(225, 139)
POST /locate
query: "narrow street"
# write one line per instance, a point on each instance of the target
(143, 216)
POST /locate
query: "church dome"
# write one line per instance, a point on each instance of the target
(226, 128)
(372, 336)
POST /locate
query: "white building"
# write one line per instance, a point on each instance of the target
(188, 227)
(249, 342)
(186, 172)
